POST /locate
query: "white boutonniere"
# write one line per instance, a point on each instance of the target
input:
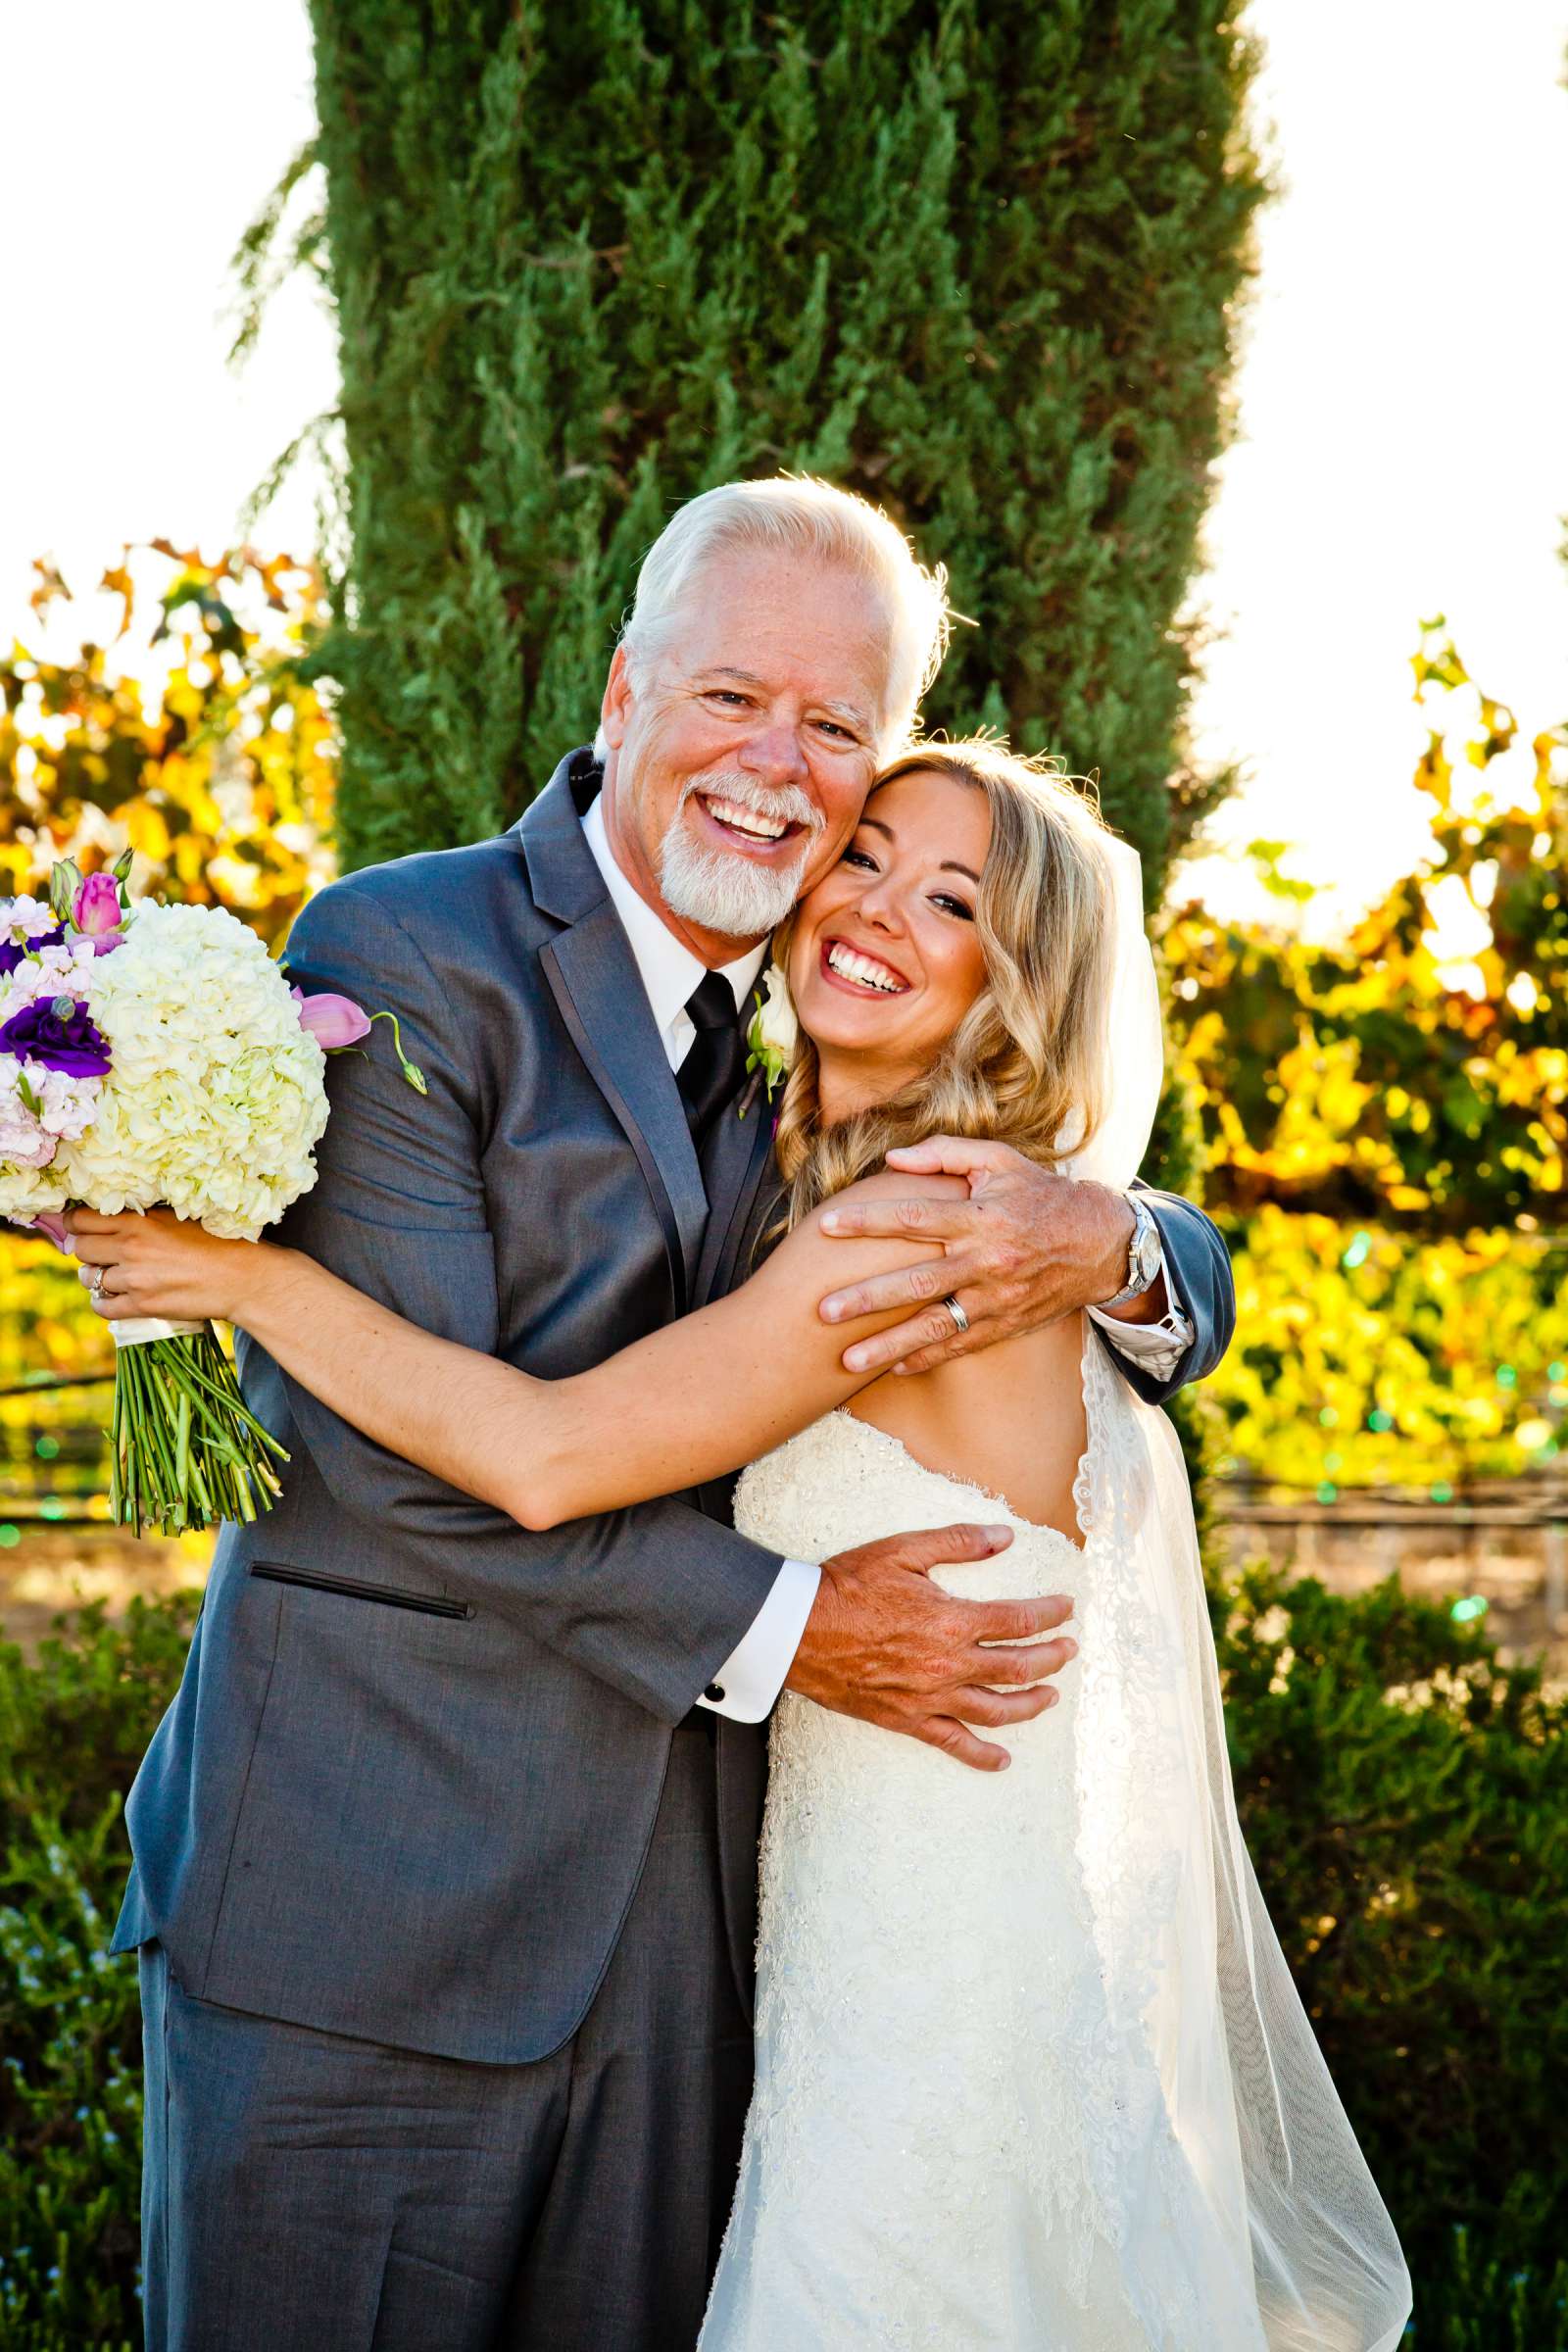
(770, 1038)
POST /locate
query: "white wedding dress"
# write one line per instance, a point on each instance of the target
(1032, 2075)
(1030, 2069)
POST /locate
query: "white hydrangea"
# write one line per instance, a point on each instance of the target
(216, 1101)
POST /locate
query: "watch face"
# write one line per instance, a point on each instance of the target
(1146, 1251)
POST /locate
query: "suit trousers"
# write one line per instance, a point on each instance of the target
(306, 2193)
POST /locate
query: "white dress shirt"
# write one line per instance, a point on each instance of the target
(748, 1684)
(751, 1676)
(1159, 1346)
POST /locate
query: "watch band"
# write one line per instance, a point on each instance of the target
(1143, 1262)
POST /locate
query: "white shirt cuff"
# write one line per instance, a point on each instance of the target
(1158, 1346)
(746, 1685)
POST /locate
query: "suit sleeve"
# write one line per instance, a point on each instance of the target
(652, 1599)
(1197, 1276)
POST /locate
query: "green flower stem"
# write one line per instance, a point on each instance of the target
(182, 1443)
(227, 1396)
(410, 1070)
(185, 1450)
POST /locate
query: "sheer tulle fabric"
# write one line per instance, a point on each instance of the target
(1132, 1040)
(1245, 2082)
(1194, 1952)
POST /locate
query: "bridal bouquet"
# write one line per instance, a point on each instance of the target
(155, 1055)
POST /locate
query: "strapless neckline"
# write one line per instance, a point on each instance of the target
(878, 1436)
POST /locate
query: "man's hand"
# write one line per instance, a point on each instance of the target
(883, 1643)
(1028, 1245)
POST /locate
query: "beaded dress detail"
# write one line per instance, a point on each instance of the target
(966, 2130)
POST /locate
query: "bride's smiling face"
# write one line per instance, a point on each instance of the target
(885, 959)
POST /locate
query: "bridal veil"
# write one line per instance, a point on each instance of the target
(1196, 1973)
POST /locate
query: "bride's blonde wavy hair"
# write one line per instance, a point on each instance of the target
(1024, 1064)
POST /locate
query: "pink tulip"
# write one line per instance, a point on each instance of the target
(95, 911)
(53, 1228)
(333, 1021)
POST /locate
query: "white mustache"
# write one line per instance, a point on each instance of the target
(785, 806)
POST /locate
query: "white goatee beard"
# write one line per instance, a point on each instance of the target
(723, 889)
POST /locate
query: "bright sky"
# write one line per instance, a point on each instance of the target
(1401, 450)
(139, 143)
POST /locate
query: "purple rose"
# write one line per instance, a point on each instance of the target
(333, 1021)
(58, 1032)
(11, 954)
(95, 911)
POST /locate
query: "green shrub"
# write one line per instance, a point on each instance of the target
(73, 1729)
(1464, 2305)
(1411, 1848)
(1406, 1800)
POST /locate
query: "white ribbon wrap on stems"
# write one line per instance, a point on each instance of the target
(135, 1331)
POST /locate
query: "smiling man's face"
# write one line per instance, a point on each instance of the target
(742, 749)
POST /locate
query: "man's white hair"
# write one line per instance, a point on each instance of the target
(794, 516)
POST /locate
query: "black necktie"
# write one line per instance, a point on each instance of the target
(711, 1074)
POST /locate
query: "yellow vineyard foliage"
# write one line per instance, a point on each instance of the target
(214, 760)
(1386, 1125)
(1417, 1071)
(195, 737)
(1366, 1356)
(1386, 1122)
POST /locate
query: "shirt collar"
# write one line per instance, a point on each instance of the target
(669, 971)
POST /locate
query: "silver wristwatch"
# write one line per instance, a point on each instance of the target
(1145, 1255)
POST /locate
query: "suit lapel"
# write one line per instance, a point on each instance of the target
(594, 978)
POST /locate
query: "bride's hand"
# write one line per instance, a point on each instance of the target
(159, 1264)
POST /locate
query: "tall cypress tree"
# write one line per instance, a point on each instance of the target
(975, 258)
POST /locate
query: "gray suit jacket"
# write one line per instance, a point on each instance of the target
(407, 1782)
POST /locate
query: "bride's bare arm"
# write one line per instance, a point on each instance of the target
(691, 1401)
